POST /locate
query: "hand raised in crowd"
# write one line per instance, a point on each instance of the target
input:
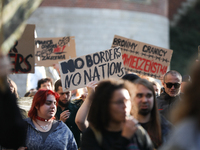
(129, 128)
(64, 115)
(81, 116)
(91, 87)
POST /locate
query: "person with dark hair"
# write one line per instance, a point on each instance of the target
(148, 116)
(13, 132)
(67, 109)
(45, 83)
(186, 135)
(30, 93)
(43, 132)
(171, 95)
(156, 87)
(131, 77)
(13, 88)
(108, 127)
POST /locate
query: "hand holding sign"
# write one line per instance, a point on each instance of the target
(91, 87)
(90, 90)
(77, 72)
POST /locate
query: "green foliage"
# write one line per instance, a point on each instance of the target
(185, 39)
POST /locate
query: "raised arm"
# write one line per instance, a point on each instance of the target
(81, 116)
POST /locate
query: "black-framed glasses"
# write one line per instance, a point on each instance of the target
(176, 85)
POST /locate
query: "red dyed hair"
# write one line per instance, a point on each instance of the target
(39, 100)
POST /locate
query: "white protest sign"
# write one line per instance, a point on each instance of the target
(49, 51)
(77, 72)
(143, 58)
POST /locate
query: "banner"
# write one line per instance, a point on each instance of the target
(143, 58)
(77, 72)
(49, 51)
(22, 53)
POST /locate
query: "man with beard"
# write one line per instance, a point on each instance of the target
(147, 112)
(67, 109)
(171, 95)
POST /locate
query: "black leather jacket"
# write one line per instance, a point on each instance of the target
(166, 103)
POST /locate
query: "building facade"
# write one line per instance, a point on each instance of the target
(94, 23)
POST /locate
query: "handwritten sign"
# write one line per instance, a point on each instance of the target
(49, 51)
(22, 53)
(143, 58)
(77, 72)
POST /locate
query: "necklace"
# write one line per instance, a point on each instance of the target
(42, 119)
(43, 127)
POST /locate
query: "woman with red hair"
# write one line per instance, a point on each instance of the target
(43, 132)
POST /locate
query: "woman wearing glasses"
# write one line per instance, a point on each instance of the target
(43, 132)
(108, 126)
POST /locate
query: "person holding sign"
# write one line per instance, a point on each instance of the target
(67, 109)
(43, 132)
(109, 128)
(81, 116)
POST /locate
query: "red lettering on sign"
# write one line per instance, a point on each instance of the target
(143, 64)
(58, 49)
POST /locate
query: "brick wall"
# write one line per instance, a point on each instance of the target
(174, 5)
(154, 6)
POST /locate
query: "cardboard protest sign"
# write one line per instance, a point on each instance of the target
(77, 72)
(22, 53)
(143, 58)
(49, 51)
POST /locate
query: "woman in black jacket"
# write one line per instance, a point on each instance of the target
(109, 128)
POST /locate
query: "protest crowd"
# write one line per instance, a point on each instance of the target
(128, 113)
(122, 98)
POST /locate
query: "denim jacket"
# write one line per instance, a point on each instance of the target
(60, 139)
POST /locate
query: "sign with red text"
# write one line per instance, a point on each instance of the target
(77, 72)
(143, 58)
(22, 53)
(49, 51)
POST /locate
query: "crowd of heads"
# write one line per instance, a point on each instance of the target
(115, 100)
